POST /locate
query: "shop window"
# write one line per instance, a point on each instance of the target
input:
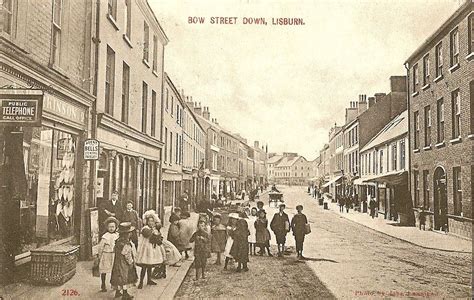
(46, 213)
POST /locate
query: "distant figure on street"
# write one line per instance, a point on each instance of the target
(348, 203)
(298, 226)
(184, 201)
(372, 207)
(261, 189)
(280, 225)
(341, 204)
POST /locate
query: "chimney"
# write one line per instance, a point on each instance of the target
(206, 114)
(198, 108)
(371, 101)
(379, 97)
(398, 84)
(256, 144)
(215, 121)
(362, 104)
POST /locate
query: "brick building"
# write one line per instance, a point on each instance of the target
(43, 177)
(441, 87)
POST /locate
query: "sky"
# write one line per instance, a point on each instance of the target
(285, 86)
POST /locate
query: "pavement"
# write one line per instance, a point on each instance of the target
(84, 286)
(423, 238)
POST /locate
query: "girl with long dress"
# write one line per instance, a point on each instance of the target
(262, 233)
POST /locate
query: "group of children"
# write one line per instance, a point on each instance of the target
(119, 256)
(236, 240)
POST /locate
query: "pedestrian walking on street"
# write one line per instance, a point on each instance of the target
(150, 252)
(259, 206)
(252, 240)
(124, 272)
(280, 225)
(348, 203)
(298, 226)
(341, 204)
(131, 215)
(262, 234)
(372, 207)
(218, 237)
(231, 226)
(106, 250)
(202, 249)
(240, 250)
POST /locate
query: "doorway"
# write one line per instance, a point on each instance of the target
(440, 200)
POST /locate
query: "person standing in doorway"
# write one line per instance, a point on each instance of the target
(113, 207)
(280, 225)
(184, 201)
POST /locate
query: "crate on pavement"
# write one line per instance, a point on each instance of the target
(53, 264)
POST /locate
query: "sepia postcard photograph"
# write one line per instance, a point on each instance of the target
(238, 149)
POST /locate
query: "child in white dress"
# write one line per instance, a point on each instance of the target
(106, 250)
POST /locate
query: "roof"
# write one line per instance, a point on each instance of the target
(288, 161)
(274, 159)
(397, 127)
(466, 7)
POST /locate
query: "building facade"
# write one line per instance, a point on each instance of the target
(384, 169)
(441, 87)
(44, 179)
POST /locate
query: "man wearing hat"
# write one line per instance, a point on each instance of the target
(280, 225)
(113, 207)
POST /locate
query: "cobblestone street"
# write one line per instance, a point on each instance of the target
(345, 260)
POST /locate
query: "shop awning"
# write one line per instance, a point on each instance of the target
(393, 178)
(332, 181)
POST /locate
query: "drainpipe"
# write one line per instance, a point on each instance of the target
(407, 67)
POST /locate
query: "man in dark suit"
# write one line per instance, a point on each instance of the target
(280, 225)
(113, 207)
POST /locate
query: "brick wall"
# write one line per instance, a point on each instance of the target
(449, 154)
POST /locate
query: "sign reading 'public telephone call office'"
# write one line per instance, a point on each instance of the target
(91, 149)
(20, 111)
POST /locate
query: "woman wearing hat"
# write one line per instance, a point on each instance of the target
(106, 249)
(124, 273)
(150, 252)
(298, 226)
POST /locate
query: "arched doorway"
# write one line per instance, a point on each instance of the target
(440, 200)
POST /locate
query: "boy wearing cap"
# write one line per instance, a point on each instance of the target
(280, 225)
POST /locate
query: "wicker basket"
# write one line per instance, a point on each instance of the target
(53, 264)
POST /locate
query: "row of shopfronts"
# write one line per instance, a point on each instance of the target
(50, 193)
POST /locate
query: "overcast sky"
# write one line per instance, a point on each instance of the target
(287, 85)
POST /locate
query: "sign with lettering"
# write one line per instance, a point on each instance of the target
(62, 108)
(20, 109)
(91, 149)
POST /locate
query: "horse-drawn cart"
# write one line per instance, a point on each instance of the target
(274, 198)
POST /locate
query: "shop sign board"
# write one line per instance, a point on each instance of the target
(20, 109)
(91, 149)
